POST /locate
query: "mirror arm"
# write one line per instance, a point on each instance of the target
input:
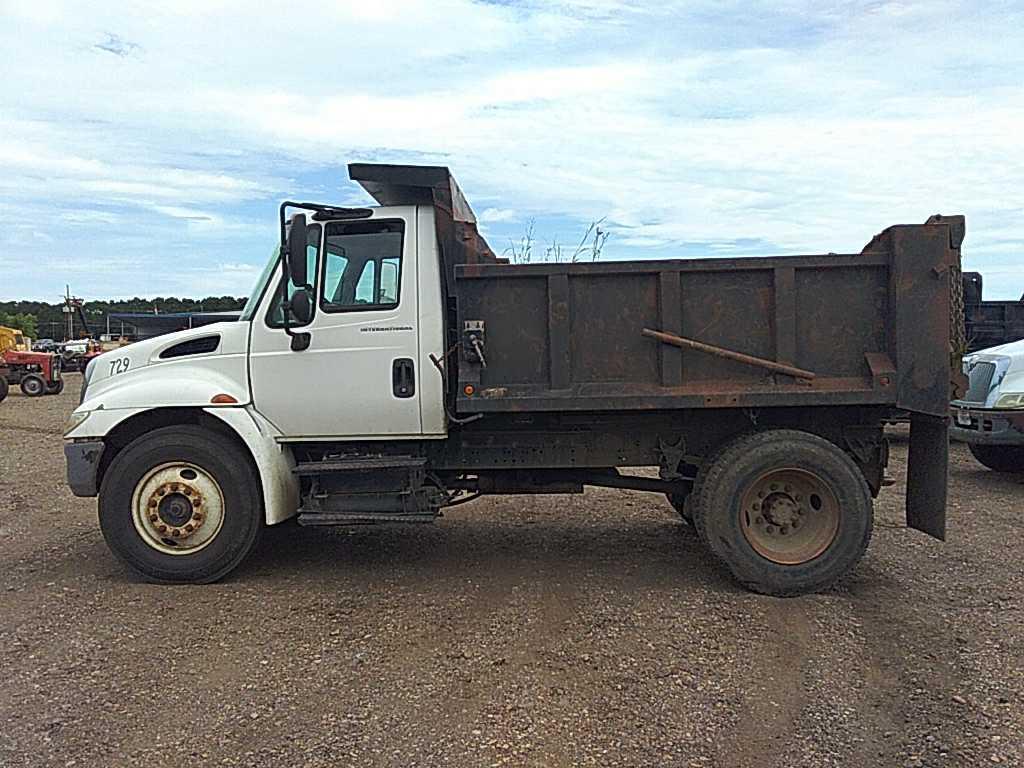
(286, 306)
(299, 340)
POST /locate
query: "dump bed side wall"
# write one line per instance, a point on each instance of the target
(873, 328)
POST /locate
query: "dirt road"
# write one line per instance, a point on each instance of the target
(552, 631)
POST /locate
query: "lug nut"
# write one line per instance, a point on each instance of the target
(153, 518)
(162, 528)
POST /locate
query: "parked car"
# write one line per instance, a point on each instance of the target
(990, 416)
(44, 345)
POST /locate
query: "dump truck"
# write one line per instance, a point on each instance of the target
(388, 365)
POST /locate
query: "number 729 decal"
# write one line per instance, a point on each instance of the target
(119, 365)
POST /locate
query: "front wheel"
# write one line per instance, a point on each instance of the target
(787, 511)
(33, 385)
(999, 458)
(181, 504)
(4, 388)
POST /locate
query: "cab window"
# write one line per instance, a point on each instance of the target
(362, 266)
(283, 294)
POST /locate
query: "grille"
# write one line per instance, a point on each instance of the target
(980, 382)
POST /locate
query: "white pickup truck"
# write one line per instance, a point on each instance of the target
(388, 365)
(990, 416)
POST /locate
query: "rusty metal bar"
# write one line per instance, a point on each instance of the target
(558, 330)
(699, 346)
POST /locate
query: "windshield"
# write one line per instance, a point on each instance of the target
(257, 291)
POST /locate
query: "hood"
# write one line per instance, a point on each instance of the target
(1010, 349)
(993, 373)
(211, 356)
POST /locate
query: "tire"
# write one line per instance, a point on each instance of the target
(788, 512)
(5, 388)
(56, 388)
(204, 477)
(999, 458)
(693, 501)
(33, 385)
(679, 502)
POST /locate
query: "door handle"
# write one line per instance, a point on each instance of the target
(403, 377)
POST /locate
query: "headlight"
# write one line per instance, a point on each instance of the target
(1010, 400)
(75, 420)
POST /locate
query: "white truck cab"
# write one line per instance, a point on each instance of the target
(990, 415)
(362, 370)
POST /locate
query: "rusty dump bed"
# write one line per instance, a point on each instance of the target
(869, 328)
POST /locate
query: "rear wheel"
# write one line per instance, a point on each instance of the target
(33, 385)
(55, 388)
(181, 504)
(999, 458)
(787, 511)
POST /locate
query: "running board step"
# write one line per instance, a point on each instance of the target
(362, 518)
(358, 464)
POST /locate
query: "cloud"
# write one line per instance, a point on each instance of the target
(117, 45)
(697, 127)
(490, 215)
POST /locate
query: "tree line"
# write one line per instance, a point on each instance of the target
(40, 319)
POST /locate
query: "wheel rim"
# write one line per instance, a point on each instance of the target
(789, 516)
(34, 386)
(178, 508)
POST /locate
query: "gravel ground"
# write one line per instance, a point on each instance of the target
(546, 631)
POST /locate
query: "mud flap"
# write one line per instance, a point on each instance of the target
(928, 474)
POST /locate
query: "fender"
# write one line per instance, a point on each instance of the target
(274, 461)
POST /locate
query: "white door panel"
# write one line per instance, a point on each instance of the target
(342, 385)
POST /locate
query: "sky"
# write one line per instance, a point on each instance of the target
(144, 147)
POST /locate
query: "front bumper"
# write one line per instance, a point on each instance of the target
(83, 464)
(986, 426)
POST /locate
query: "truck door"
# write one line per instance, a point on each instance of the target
(359, 376)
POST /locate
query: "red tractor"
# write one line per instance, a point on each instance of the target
(37, 373)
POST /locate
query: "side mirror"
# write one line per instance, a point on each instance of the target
(301, 306)
(296, 252)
